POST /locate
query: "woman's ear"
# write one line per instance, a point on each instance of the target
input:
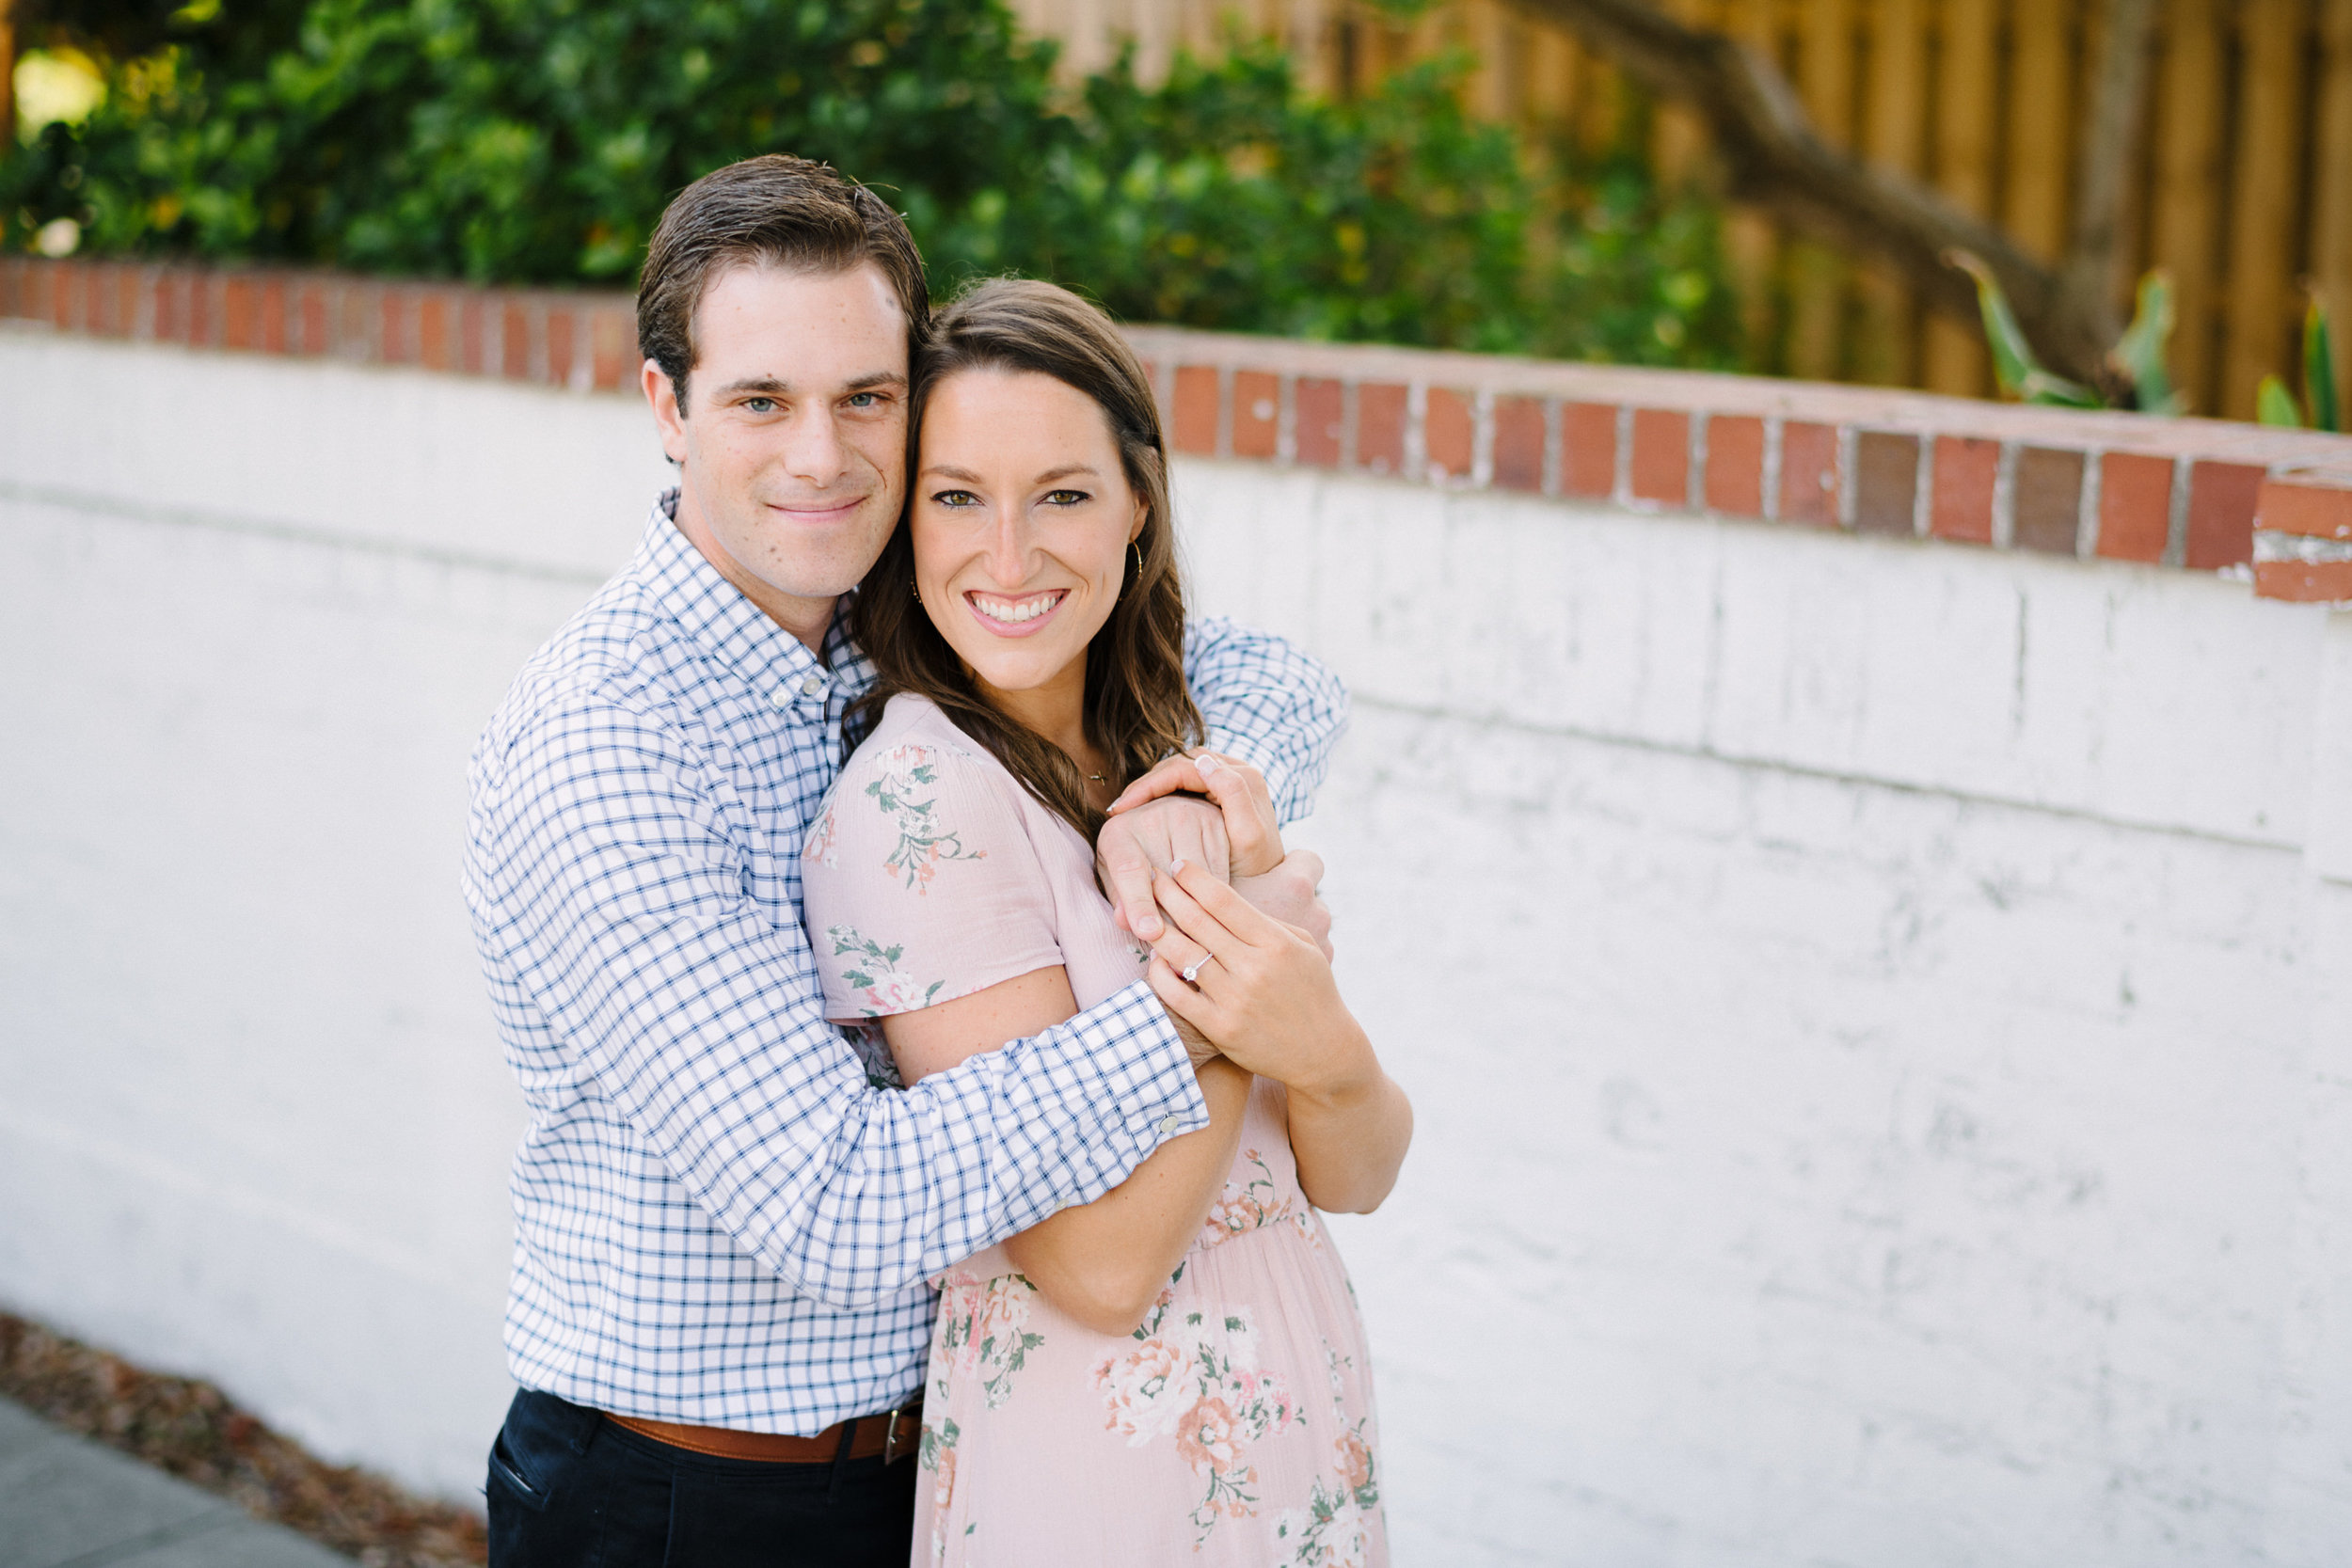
(1143, 515)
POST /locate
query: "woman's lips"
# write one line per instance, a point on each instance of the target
(1030, 627)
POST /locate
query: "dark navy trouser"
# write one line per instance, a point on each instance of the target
(569, 1489)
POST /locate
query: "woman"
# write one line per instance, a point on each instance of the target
(1175, 1373)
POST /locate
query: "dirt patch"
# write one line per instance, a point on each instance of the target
(193, 1430)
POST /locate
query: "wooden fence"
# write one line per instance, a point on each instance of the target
(2243, 189)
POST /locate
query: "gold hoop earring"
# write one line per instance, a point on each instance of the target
(1137, 545)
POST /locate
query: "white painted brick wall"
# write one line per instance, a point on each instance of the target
(1877, 1012)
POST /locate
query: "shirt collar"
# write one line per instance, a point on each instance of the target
(715, 614)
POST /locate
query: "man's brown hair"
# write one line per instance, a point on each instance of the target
(770, 211)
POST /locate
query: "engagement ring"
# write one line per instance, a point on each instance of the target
(1192, 971)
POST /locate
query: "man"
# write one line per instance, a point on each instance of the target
(726, 1215)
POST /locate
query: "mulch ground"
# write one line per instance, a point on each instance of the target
(193, 1430)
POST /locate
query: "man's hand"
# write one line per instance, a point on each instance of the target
(1147, 839)
(1289, 894)
(1240, 793)
(1161, 819)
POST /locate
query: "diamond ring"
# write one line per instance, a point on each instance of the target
(1192, 971)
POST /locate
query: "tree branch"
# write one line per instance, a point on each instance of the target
(2110, 133)
(1772, 158)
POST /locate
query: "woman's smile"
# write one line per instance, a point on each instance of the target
(1020, 616)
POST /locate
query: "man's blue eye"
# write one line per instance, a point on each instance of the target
(759, 405)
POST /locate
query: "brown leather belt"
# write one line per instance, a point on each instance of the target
(893, 1434)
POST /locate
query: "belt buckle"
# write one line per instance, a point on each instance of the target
(892, 1449)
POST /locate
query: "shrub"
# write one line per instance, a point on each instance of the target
(537, 140)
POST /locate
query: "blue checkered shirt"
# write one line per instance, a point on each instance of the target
(722, 1215)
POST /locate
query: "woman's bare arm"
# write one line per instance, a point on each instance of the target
(1103, 1263)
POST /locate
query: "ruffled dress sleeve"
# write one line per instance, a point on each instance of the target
(919, 880)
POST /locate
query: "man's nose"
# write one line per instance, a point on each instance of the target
(817, 455)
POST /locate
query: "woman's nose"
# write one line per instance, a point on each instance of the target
(1008, 550)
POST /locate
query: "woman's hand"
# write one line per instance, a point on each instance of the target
(1263, 993)
(1261, 990)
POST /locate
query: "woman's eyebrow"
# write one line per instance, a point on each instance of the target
(948, 470)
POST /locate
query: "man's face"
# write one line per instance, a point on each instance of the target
(793, 442)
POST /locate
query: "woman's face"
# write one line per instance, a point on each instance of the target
(1021, 520)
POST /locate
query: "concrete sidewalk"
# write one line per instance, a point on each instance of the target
(66, 1502)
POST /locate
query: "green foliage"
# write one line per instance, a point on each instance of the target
(2014, 366)
(537, 141)
(2274, 404)
(2140, 352)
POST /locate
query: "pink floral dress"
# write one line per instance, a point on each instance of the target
(1235, 1425)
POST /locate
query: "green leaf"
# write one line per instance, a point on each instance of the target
(2019, 373)
(2275, 405)
(2319, 370)
(2139, 354)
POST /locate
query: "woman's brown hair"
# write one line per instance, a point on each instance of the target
(1138, 708)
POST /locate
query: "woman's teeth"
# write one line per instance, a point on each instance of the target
(1011, 612)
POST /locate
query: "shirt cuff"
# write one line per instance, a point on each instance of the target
(1145, 1068)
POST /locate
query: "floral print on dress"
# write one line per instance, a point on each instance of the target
(874, 970)
(983, 1331)
(1247, 1205)
(1195, 1376)
(1330, 1532)
(906, 772)
(818, 846)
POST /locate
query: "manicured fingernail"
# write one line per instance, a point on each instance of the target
(1175, 866)
(1210, 763)
(1149, 927)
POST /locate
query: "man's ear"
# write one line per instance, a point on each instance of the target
(668, 418)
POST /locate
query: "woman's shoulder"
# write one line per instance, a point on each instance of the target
(925, 794)
(915, 736)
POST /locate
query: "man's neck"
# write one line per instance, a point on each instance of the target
(808, 620)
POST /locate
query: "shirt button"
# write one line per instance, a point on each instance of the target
(1168, 1125)
(812, 684)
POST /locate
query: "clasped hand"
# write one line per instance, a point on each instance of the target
(1257, 953)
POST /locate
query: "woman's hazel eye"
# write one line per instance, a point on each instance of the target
(955, 497)
(1066, 498)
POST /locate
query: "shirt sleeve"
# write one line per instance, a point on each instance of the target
(607, 879)
(1269, 702)
(915, 840)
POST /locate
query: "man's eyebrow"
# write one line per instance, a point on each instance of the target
(773, 387)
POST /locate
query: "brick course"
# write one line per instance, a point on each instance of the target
(2205, 495)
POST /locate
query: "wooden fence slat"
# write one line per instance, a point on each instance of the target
(2261, 301)
(1679, 139)
(2331, 187)
(1966, 141)
(1893, 136)
(2185, 233)
(1818, 275)
(1751, 243)
(1551, 63)
(1485, 28)
(2041, 125)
